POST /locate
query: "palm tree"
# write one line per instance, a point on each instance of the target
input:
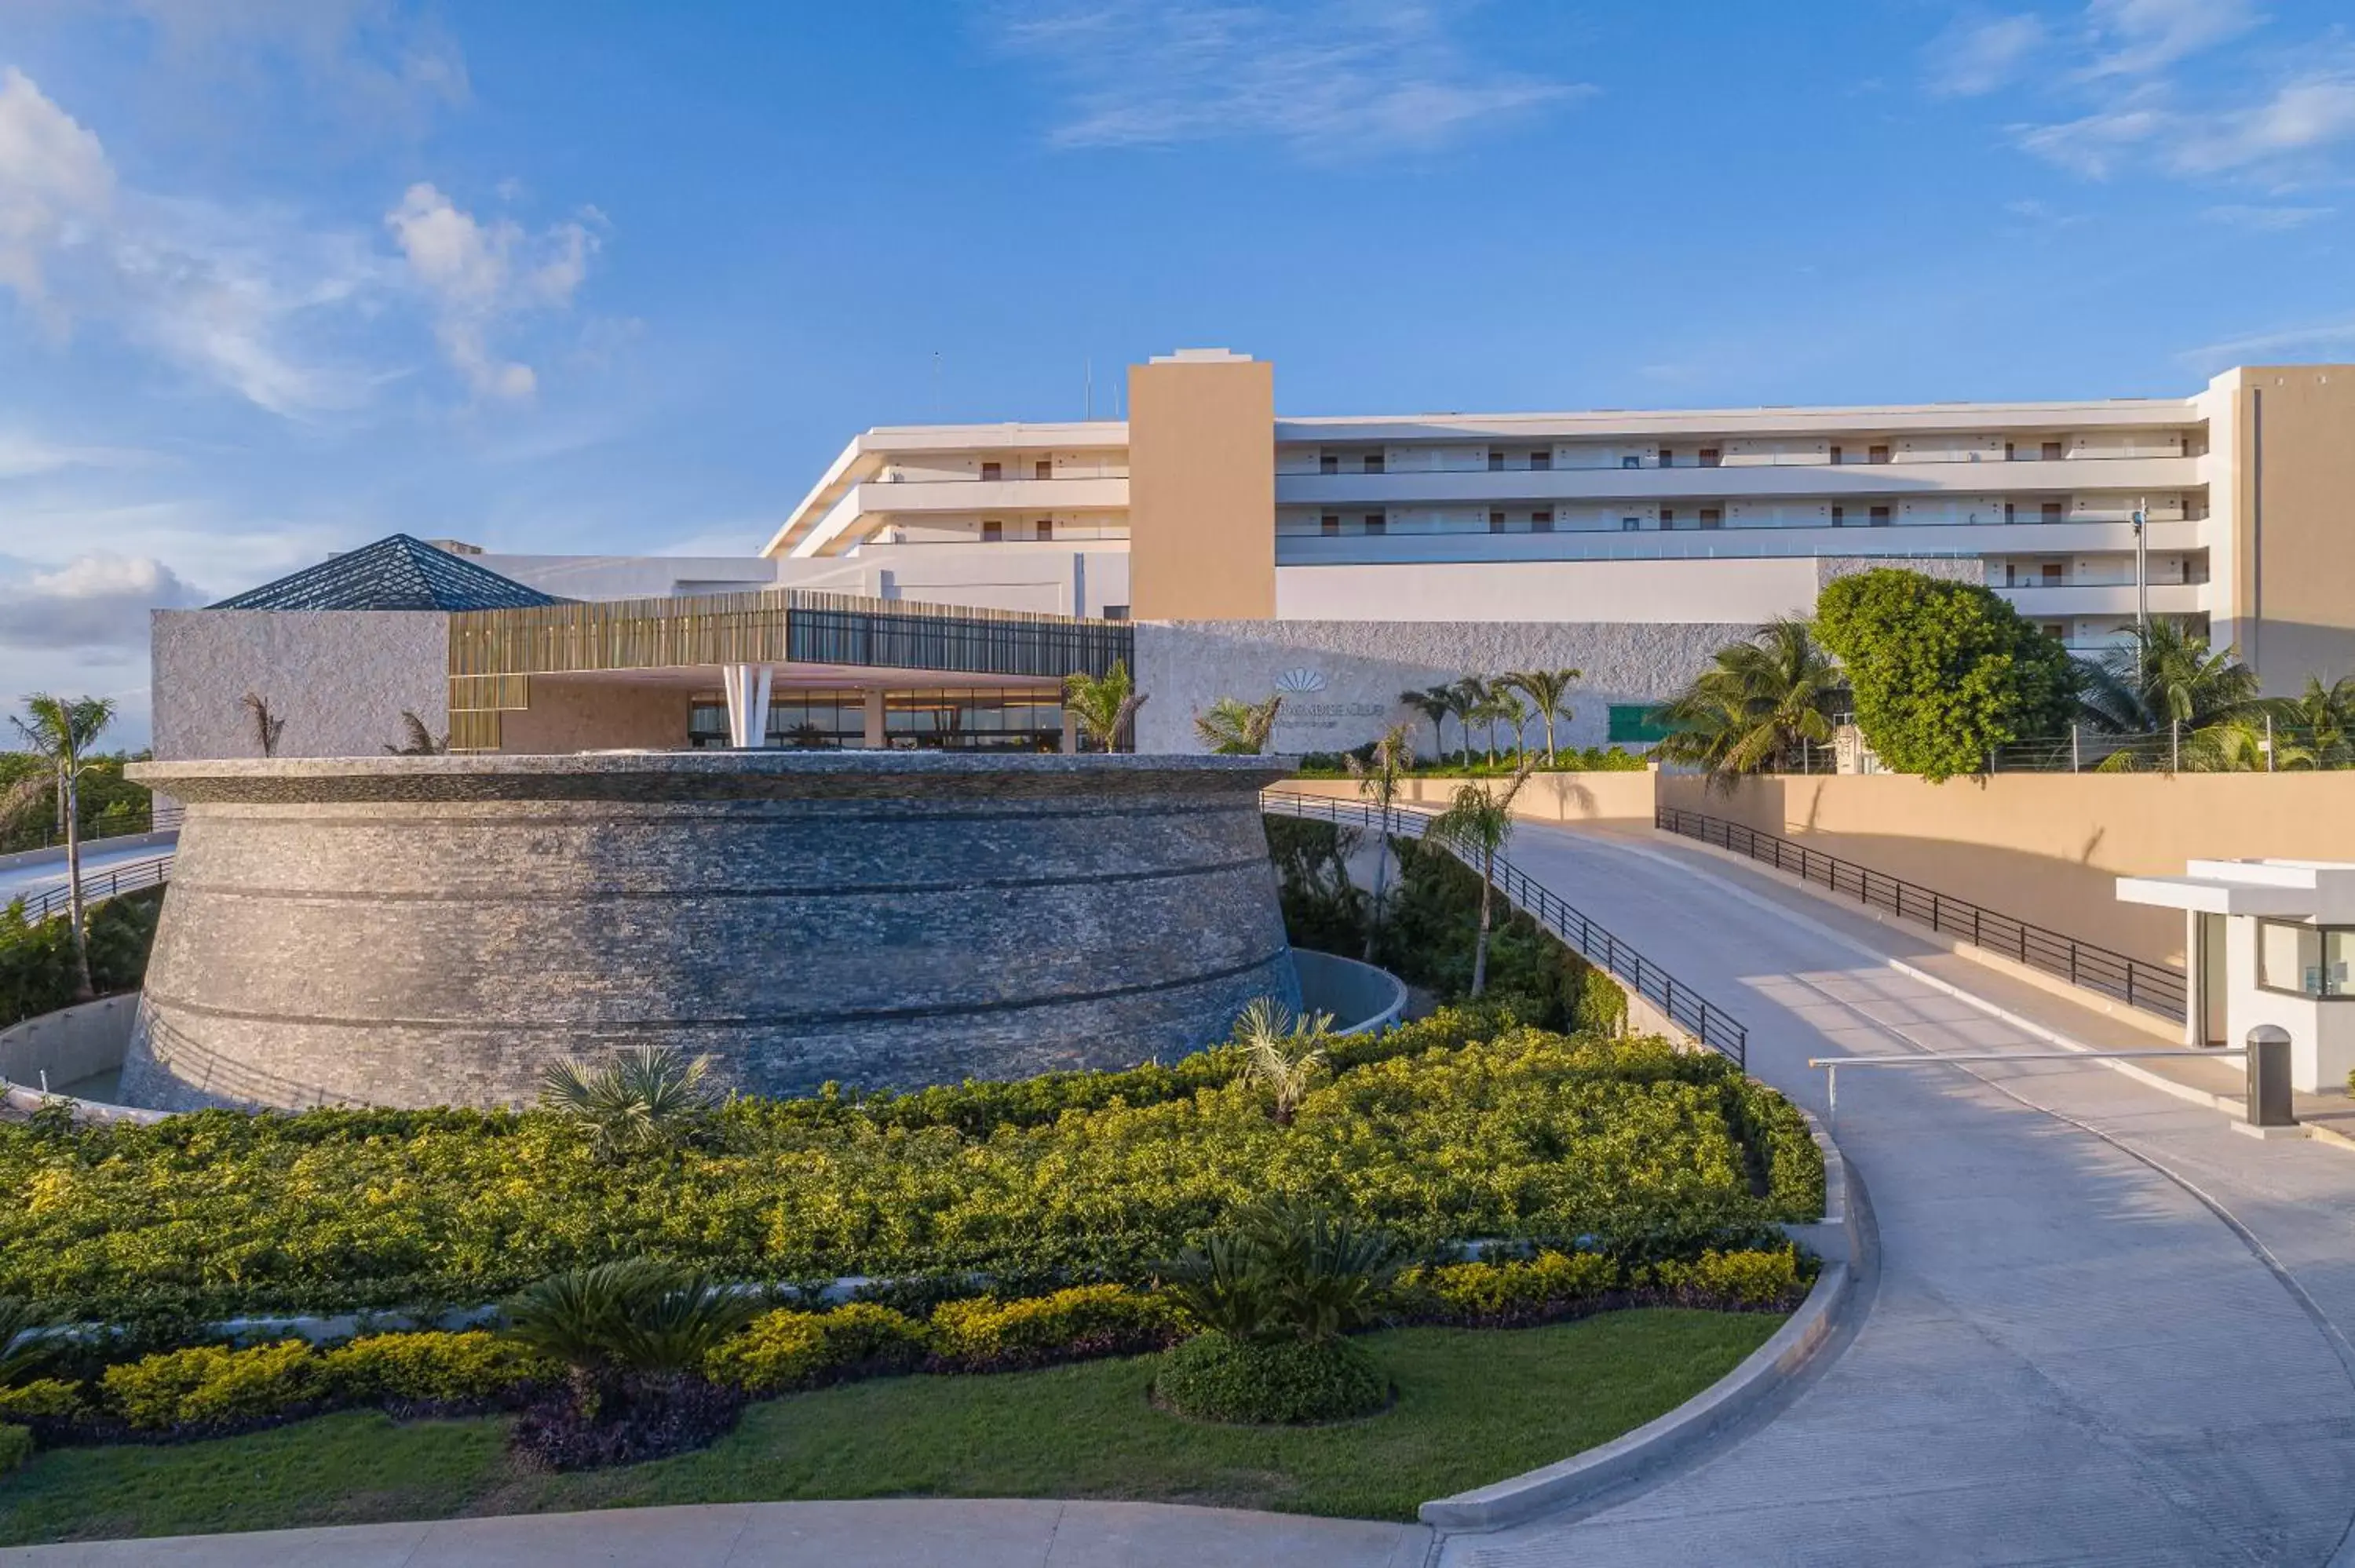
(416, 739)
(1234, 727)
(645, 1099)
(1549, 691)
(1103, 705)
(1476, 823)
(2168, 679)
(267, 726)
(1433, 704)
(1281, 1052)
(1506, 708)
(2317, 728)
(640, 1317)
(1377, 774)
(60, 732)
(1758, 705)
(1465, 702)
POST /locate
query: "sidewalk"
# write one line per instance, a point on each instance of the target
(920, 1533)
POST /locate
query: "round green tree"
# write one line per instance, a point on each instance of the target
(1943, 673)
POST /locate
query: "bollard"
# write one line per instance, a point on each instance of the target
(2269, 1094)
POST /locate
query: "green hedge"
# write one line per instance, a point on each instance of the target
(15, 1447)
(788, 1350)
(36, 957)
(1291, 1383)
(990, 1335)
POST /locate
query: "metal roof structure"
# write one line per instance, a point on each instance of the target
(394, 573)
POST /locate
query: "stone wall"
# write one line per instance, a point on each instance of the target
(597, 715)
(418, 931)
(340, 678)
(1347, 674)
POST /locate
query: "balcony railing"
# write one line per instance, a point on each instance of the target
(1351, 467)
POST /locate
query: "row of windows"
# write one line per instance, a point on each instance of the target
(1540, 459)
(2306, 960)
(952, 718)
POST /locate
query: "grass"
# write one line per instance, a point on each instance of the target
(1475, 1406)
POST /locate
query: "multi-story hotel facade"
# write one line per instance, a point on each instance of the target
(1344, 559)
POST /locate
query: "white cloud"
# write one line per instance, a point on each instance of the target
(1327, 80)
(1978, 54)
(55, 187)
(2318, 337)
(2097, 145)
(22, 455)
(2138, 37)
(2301, 117)
(477, 274)
(94, 601)
(2270, 219)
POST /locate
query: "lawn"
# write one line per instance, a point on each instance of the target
(1475, 1406)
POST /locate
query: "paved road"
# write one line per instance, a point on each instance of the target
(2078, 1349)
(25, 881)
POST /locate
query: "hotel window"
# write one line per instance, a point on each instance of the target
(2305, 960)
(1540, 522)
(992, 471)
(1711, 518)
(1326, 463)
(1496, 460)
(2048, 574)
(1373, 462)
(1709, 457)
(1834, 455)
(1669, 517)
(2011, 452)
(1329, 524)
(1876, 454)
(1376, 523)
(1043, 469)
(2050, 512)
(2010, 513)
(1115, 613)
(1540, 462)
(1667, 457)
(1631, 462)
(1630, 524)
(1839, 516)
(1496, 522)
(1046, 529)
(2057, 629)
(2053, 451)
(992, 531)
(1878, 517)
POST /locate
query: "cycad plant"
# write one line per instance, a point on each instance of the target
(1376, 773)
(1284, 1268)
(1759, 705)
(1234, 727)
(1103, 705)
(1474, 826)
(1548, 691)
(27, 1348)
(645, 1099)
(61, 731)
(1281, 1052)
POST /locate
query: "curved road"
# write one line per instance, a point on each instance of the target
(2105, 1335)
(31, 880)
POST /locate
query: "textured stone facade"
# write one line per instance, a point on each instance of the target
(419, 931)
(340, 678)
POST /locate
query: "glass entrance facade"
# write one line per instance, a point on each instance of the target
(960, 718)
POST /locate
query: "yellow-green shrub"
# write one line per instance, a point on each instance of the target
(208, 1384)
(48, 1398)
(1514, 1287)
(788, 1350)
(1746, 1279)
(433, 1368)
(15, 1447)
(988, 1335)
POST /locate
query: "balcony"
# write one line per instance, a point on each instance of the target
(1402, 545)
(2041, 601)
(1740, 480)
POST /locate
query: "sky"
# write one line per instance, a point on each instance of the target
(281, 277)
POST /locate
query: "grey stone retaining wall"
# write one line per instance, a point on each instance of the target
(416, 931)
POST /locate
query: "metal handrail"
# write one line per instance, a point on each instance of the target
(1707, 1022)
(2144, 986)
(98, 886)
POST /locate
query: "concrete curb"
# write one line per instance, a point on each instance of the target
(1662, 1441)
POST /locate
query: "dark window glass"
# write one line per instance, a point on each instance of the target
(1540, 462)
(1376, 523)
(992, 471)
(992, 532)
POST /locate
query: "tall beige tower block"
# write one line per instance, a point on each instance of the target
(2289, 431)
(1201, 487)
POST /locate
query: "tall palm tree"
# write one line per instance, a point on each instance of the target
(1549, 693)
(61, 731)
(1234, 727)
(2169, 680)
(1433, 704)
(1475, 825)
(1761, 702)
(1377, 774)
(1465, 699)
(1103, 705)
(2316, 729)
(1505, 707)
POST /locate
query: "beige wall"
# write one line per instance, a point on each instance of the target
(340, 679)
(1546, 798)
(1202, 491)
(595, 715)
(2048, 847)
(2293, 522)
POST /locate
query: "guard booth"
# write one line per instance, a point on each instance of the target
(2268, 942)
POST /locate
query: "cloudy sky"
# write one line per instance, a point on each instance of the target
(278, 276)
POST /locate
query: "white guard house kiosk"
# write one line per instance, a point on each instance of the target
(2270, 941)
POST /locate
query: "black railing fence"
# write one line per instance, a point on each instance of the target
(1704, 1020)
(99, 885)
(2148, 987)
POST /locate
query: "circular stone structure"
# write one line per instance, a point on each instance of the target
(438, 930)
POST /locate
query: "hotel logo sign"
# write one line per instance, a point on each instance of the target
(1296, 682)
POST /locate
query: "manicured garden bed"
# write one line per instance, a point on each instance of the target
(1473, 1406)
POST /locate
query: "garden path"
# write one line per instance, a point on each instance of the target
(2105, 1327)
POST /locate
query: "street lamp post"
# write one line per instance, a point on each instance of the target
(2142, 569)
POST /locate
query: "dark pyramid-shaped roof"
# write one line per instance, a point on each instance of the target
(396, 573)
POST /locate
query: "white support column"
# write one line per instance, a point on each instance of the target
(746, 687)
(874, 739)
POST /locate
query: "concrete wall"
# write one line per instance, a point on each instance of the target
(1201, 488)
(1619, 798)
(1358, 668)
(2048, 847)
(340, 678)
(2293, 493)
(71, 1045)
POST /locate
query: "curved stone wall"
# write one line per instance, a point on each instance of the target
(415, 932)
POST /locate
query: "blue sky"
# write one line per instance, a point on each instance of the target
(278, 276)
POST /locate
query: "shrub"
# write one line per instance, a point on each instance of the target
(787, 1350)
(46, 1399)
(639, 1314)
(1751, 1278)
(989, 1335)
(434, 1369)
(15, 1447)
(212, 1385)
(1213, 1377)
(1513, 1290)
(1286, 1269)
(1772, 1129)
